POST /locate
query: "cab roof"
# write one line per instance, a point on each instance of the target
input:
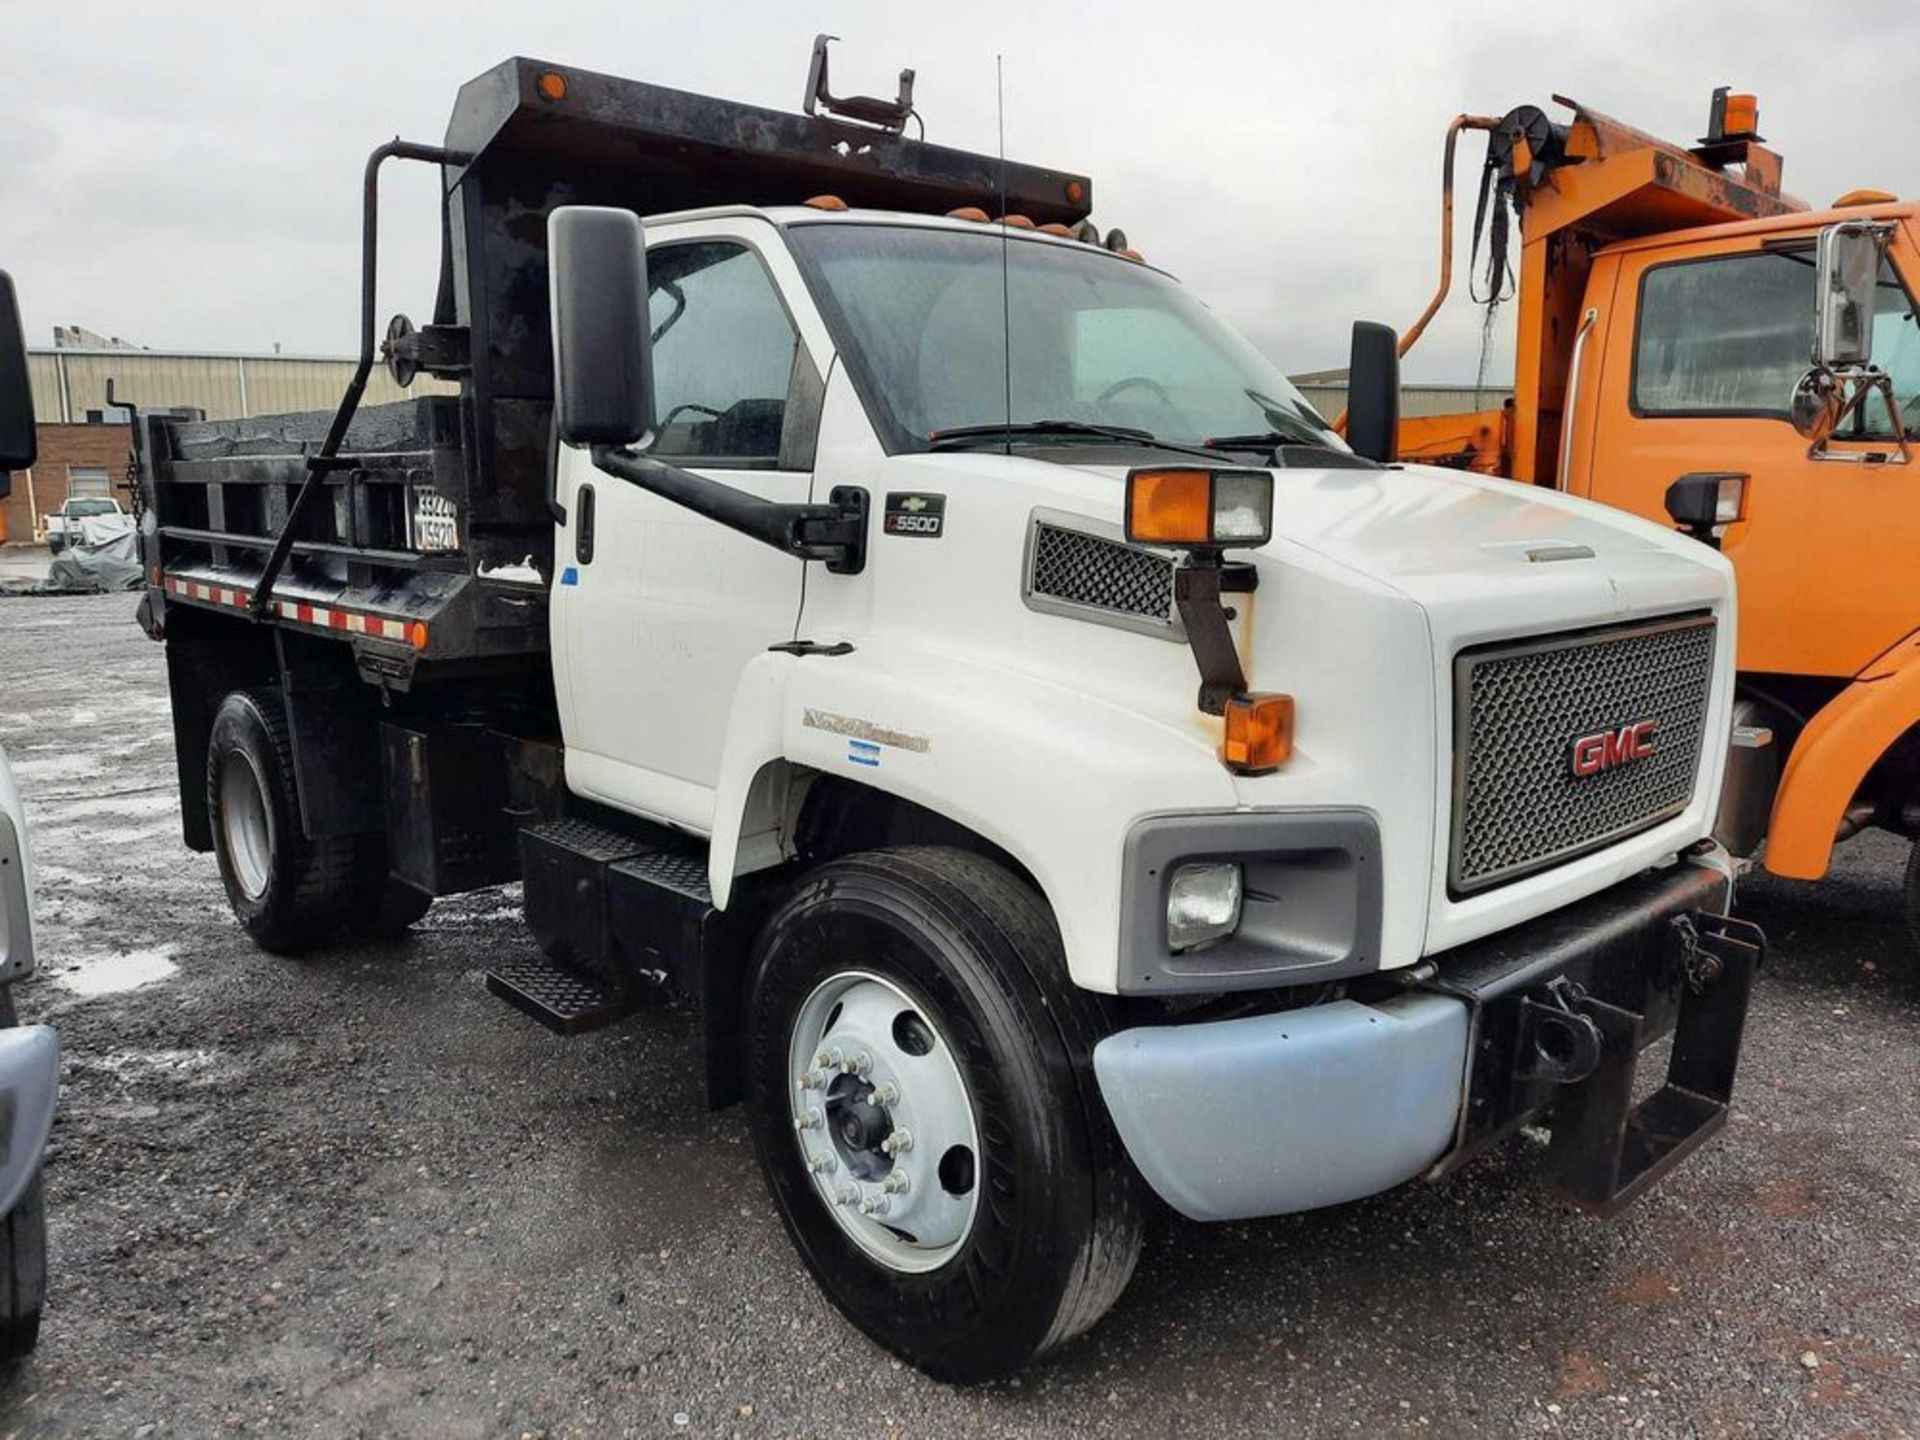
(1798, 220)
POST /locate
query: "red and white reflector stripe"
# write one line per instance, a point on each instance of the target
(326, 617)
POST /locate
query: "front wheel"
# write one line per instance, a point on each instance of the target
(926, 1116)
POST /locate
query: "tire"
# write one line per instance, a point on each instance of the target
(1053, 1229)
(289, 893)
(23, 1251)
(1912, 907)
(383, 906)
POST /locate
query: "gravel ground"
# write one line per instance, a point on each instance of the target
(356, 1195)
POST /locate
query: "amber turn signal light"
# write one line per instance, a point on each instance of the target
(552, 86)
(1259, 733)
(1199, 509)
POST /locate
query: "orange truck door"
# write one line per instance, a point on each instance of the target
(1700, 356)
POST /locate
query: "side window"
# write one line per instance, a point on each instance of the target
(723, 353)
(1730, 336)
(1896, 350)
(1727, 336)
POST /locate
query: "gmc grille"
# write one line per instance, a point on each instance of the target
(1519, 803)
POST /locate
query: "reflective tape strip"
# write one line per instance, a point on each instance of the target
(354, 622)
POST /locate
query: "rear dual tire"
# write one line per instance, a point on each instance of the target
(1037, 1215)
(290, 892)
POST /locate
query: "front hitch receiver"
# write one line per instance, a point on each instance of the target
(1604, 1149)
(1559, 1042)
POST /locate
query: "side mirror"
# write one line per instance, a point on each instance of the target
(1373, 392)
(1817, 405)
(602, 348)
(18, 447)
(1847, 271)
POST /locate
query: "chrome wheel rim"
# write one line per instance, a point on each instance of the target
(884, 1121)
(246, 824)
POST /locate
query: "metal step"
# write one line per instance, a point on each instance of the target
(682, 872)
(588, 840)
(565, 1002)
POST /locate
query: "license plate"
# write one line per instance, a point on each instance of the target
(434, 522)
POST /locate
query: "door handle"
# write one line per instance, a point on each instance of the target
(583, 525)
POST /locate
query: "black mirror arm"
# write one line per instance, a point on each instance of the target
(1197, 588)
(834, 533)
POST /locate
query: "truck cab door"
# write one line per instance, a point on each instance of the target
(656, 609)
(1701, 355)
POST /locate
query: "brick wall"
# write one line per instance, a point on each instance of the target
(98, 447)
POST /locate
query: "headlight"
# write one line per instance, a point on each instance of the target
(1193, 508)
(1203, 903)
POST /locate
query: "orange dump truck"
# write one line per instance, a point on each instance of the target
(1698, 346)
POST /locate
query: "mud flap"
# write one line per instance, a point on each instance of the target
(1605, 1149)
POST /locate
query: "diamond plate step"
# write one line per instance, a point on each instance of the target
(565, 1002)
(584, 838)
(682, 872)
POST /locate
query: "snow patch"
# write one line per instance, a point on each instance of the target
(522, 574)
(117, 973)
(58, 767)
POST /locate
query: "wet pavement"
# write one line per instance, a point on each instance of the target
(355, 1195)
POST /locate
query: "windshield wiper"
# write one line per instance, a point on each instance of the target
(962, 435)
(1268, 440)
(967, 434)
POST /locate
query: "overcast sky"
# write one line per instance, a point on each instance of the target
(186, 174)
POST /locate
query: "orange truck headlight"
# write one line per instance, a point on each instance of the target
(1193, 508)
(1259, 733)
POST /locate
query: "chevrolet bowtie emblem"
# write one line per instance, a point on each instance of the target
(915, 503)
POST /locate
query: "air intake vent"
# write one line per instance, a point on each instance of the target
(1074, 571)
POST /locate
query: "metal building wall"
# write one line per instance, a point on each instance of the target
(1330, 400)
(67, 383)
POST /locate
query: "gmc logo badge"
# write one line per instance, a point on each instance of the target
(1608, 748)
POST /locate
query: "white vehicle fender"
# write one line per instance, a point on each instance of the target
(1053, 776)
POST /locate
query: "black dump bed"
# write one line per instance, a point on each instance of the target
(435, 539)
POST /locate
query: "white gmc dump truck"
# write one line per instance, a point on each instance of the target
(868, 604)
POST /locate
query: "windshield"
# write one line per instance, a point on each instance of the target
(1093, 338)
(80, 509)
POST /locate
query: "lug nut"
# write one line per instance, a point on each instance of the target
(895, 1183)
(845, 1195)
(821, 1164)
(831, 1059)
(812, 1120)
(810, 1080)
(875, 1205)
(859, 1063)
(884, 1094)
(898, 1143)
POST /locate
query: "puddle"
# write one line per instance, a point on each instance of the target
(116, 974)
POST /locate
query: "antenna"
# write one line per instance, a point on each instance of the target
(1006, 306)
